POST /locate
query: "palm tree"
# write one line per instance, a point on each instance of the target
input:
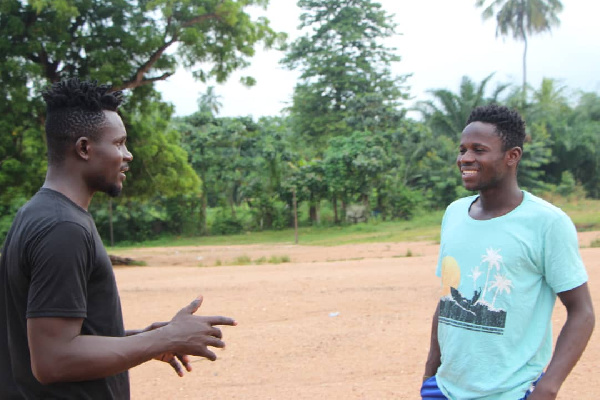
(502, 284)
(448, 112)
(475, 274)
(209, 101)
(521, 18)
(493, 258)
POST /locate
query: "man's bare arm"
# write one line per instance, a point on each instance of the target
(434, 356)
(60, 354)
(571, 342)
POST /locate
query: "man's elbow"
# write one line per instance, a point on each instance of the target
(587, 318)
(591, 318)
(45, 372)
(42, 375)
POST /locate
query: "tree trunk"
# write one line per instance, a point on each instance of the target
(336, 218)
(381, 207)
(203, 230)
(524, 94)
(295, 215)
(313, 213)
(312, 210)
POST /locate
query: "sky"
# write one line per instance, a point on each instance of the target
(440, 41)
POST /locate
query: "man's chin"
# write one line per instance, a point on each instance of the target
(113, 191)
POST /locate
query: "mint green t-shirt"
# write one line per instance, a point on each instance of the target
(499, 283)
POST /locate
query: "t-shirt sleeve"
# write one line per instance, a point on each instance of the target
(563, 267)
(60, 266)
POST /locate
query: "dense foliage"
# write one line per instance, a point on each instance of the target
(345, 149)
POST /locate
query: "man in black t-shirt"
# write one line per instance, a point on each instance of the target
(61, 327)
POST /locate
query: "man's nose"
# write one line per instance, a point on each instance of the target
(467, 157)
(127, 156)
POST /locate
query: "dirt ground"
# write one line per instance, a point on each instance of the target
(347, 322)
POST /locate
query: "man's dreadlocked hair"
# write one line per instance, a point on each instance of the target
(75, 108)
(509, 124)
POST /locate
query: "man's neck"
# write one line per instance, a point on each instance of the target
(69, 184)
(493, 203)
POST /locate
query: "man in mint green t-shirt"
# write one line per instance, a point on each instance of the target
(505, 255)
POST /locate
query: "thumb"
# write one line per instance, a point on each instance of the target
(193, 306)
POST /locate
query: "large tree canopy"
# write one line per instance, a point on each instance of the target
(342, 56)
(131, 43)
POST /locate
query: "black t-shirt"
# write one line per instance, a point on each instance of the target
(53, 264)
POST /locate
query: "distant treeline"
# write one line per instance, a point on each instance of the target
(344, 143)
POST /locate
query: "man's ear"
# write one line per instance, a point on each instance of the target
(514, 156)
(82, 147)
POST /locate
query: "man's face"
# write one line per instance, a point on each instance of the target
(110, 157)
(481, 160)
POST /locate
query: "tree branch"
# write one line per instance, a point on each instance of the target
(138, 78)
(132, 84)
(198, 19)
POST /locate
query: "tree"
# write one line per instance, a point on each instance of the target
(447, 113)
(340, 58)
(521, 18)
(128, 44)
(353, 165)
(209, 102)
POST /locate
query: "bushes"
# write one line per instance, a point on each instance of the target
(225, 224)
(136, 221)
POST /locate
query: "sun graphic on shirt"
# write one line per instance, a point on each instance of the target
(450, 274)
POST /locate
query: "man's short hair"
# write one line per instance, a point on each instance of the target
(74, 109)
(509, 123)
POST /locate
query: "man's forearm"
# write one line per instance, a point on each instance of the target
(94, 357)
(434, 357)
(572, 340)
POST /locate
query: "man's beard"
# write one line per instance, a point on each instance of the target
(113, 191)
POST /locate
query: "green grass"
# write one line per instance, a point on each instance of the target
(424, 227)
(584, 213)
(242, 260)
(279, 259)
(246, 260)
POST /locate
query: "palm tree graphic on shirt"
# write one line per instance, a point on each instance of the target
(476, 312)
(493, 259)
(501, 284)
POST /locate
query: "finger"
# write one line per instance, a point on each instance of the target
(176, 366)
(206, 353)
(186, 361)
(192, 307)
(218, 320)
(214, 342)
(216, 332)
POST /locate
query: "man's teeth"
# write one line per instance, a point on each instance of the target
(469, 172)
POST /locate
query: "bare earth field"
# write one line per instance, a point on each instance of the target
(346, 322)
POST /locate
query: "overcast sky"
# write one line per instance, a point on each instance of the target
(439, 42)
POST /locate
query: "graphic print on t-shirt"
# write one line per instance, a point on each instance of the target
(476, 311)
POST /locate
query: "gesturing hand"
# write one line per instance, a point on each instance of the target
(192, 334)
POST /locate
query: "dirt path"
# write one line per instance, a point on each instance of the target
(347, 322)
